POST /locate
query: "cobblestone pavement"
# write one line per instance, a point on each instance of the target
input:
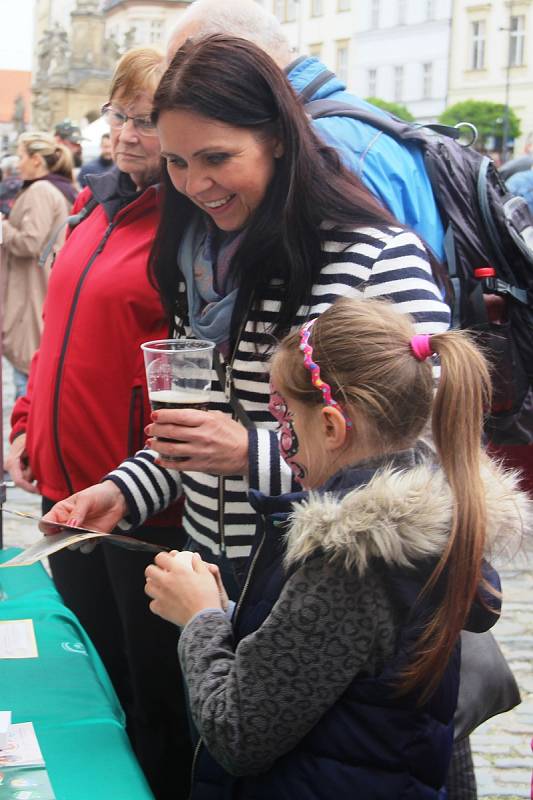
(501, 746)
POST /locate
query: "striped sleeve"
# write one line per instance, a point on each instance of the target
(402, 273)
(147, 488)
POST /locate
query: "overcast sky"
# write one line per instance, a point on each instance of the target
(16, 34)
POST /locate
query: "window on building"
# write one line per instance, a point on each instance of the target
(427, 80)
(343, 5)
(478, 44)
(141, 32)
(402, 12)
(342, 61)
(156, 31)
(285, 10)
(317, 8)
(398, 84)
(430, 9)
(374, 14)
(372, 83)
(517, 36)
(315, 49)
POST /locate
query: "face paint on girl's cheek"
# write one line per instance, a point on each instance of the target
(288, 440)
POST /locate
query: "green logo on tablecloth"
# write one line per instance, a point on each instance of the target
(74, 647)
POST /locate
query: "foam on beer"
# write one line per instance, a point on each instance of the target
(173, 397)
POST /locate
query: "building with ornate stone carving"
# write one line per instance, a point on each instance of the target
(78, 43)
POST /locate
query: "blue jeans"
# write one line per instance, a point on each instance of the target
(20, 379)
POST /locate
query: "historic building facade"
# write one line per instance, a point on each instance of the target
(78, 43)
(492, 59)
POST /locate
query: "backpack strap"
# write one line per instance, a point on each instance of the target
(387, 123)
(316, 84)
(72, 221)
(498, 285)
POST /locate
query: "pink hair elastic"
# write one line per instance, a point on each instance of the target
(421, 346)
(314, 369)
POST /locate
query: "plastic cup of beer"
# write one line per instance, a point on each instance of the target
(178, 373)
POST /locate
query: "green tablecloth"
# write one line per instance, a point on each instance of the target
(67, 695)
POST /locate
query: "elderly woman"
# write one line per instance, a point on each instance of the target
(42, 205)
(86, 409)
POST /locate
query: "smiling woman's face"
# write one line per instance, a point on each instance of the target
(134, 153)
(223, 169)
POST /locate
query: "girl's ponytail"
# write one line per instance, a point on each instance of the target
(463, 393)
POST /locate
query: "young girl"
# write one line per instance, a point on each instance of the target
(337, 675)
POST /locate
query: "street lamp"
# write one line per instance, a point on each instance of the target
(505, 130)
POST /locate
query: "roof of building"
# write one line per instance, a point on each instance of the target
(14, 82)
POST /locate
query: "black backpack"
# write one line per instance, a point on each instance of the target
(489, 257)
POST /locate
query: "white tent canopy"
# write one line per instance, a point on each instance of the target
(91, 135)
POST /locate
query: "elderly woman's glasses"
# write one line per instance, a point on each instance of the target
(116, 119)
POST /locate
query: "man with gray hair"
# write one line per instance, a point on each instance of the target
(10, 185)
(392, 171)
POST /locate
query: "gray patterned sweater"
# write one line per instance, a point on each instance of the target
(334, 619)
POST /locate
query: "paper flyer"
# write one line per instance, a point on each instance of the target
(58, 536)
(22, 749)
(17, 639)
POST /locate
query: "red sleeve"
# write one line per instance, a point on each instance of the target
(21, 409)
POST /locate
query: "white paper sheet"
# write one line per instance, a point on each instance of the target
(17, 639)
(22, 748)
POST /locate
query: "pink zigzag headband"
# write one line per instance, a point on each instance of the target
(314, 369)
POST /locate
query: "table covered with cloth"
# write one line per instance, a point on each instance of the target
(66, 693)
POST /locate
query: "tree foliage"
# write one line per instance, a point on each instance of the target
(487, 117)
(393, 108)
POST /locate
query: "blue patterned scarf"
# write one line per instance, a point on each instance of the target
(205, 262)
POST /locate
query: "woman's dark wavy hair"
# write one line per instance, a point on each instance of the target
(233, 81)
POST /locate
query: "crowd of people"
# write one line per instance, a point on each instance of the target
(334, 515)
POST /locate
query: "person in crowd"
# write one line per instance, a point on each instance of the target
(69, 135)
(339, 670)
(42, 205)
(85, 410)
(393, 172)
(273, 229)
(103, 163)
(10, 184)
(522, 183)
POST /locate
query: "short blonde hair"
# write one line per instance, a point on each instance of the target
(56, 157)
(138, 70)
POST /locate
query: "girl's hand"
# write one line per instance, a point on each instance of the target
(210, 441)
(180, 585)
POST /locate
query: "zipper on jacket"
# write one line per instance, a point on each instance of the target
(193, 765)
(228, 386)
(250, 573)
(135, 421)
(64, 346)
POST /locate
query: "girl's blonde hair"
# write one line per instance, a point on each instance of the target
(57, 157)
(138, 70)
(364, 353)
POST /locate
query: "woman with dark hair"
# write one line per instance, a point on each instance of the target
(268, 230)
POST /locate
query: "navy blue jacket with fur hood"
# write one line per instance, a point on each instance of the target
(387, 520)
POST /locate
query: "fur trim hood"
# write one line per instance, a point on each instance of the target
(402, 516)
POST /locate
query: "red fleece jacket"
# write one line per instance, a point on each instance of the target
(87, 402)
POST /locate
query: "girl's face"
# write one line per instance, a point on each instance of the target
(300, 442)
(224, 170)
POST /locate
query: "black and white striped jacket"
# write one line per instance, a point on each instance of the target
(386, 262)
